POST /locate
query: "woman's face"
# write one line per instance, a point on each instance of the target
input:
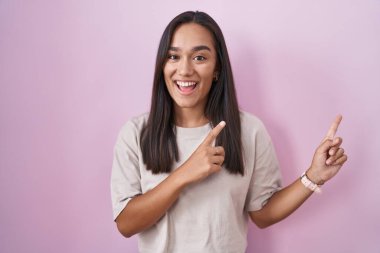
(190, 66)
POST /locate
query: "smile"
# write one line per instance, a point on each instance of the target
(186, 87)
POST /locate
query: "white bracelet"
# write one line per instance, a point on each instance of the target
(309, 184)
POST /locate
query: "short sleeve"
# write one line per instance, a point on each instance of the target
(266, 176)
(125, 176)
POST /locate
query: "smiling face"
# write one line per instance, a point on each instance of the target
(190, 67)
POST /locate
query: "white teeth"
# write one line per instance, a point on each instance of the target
(186, 84)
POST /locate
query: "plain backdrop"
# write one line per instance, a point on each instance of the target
(73, 72)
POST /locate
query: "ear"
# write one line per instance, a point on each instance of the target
(216, 76)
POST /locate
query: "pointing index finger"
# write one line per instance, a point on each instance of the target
(214, 133)
(334, 128)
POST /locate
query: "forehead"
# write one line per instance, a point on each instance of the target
(190, 35)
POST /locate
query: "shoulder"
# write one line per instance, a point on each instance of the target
(132, 127)
(251, 122)
(137, 122)
(253, 128)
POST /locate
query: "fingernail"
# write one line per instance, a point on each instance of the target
(222, 123)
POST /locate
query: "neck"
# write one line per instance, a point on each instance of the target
(188, 117)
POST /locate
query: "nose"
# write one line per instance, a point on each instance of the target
(185, 67)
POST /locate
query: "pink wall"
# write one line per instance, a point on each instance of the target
(72, 72)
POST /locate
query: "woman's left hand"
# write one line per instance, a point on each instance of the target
(329, 156)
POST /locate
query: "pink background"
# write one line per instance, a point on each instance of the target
(72, 72)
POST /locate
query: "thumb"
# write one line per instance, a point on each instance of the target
(325, 146)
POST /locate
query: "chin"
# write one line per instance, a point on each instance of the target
(185, 104)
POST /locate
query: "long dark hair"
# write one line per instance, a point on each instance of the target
(158, 140)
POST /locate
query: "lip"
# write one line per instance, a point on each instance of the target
(187, 93)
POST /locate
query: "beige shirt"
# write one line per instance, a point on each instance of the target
(209, 216)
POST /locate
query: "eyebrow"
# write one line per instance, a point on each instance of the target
(194, 49)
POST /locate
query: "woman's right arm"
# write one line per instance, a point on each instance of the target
(145, 210)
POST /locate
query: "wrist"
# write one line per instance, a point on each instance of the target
(313, 177)
(305, 180)
(179, 178)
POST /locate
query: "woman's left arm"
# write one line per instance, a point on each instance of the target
(327, 161)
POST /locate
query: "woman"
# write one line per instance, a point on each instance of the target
(187, 176)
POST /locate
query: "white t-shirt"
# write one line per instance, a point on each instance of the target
(211, 215)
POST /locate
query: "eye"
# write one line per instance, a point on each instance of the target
(173, 57)
(199, 58)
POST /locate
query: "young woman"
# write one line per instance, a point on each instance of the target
(188, 176)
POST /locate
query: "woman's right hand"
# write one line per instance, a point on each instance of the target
(144, 210)
(205, 160)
